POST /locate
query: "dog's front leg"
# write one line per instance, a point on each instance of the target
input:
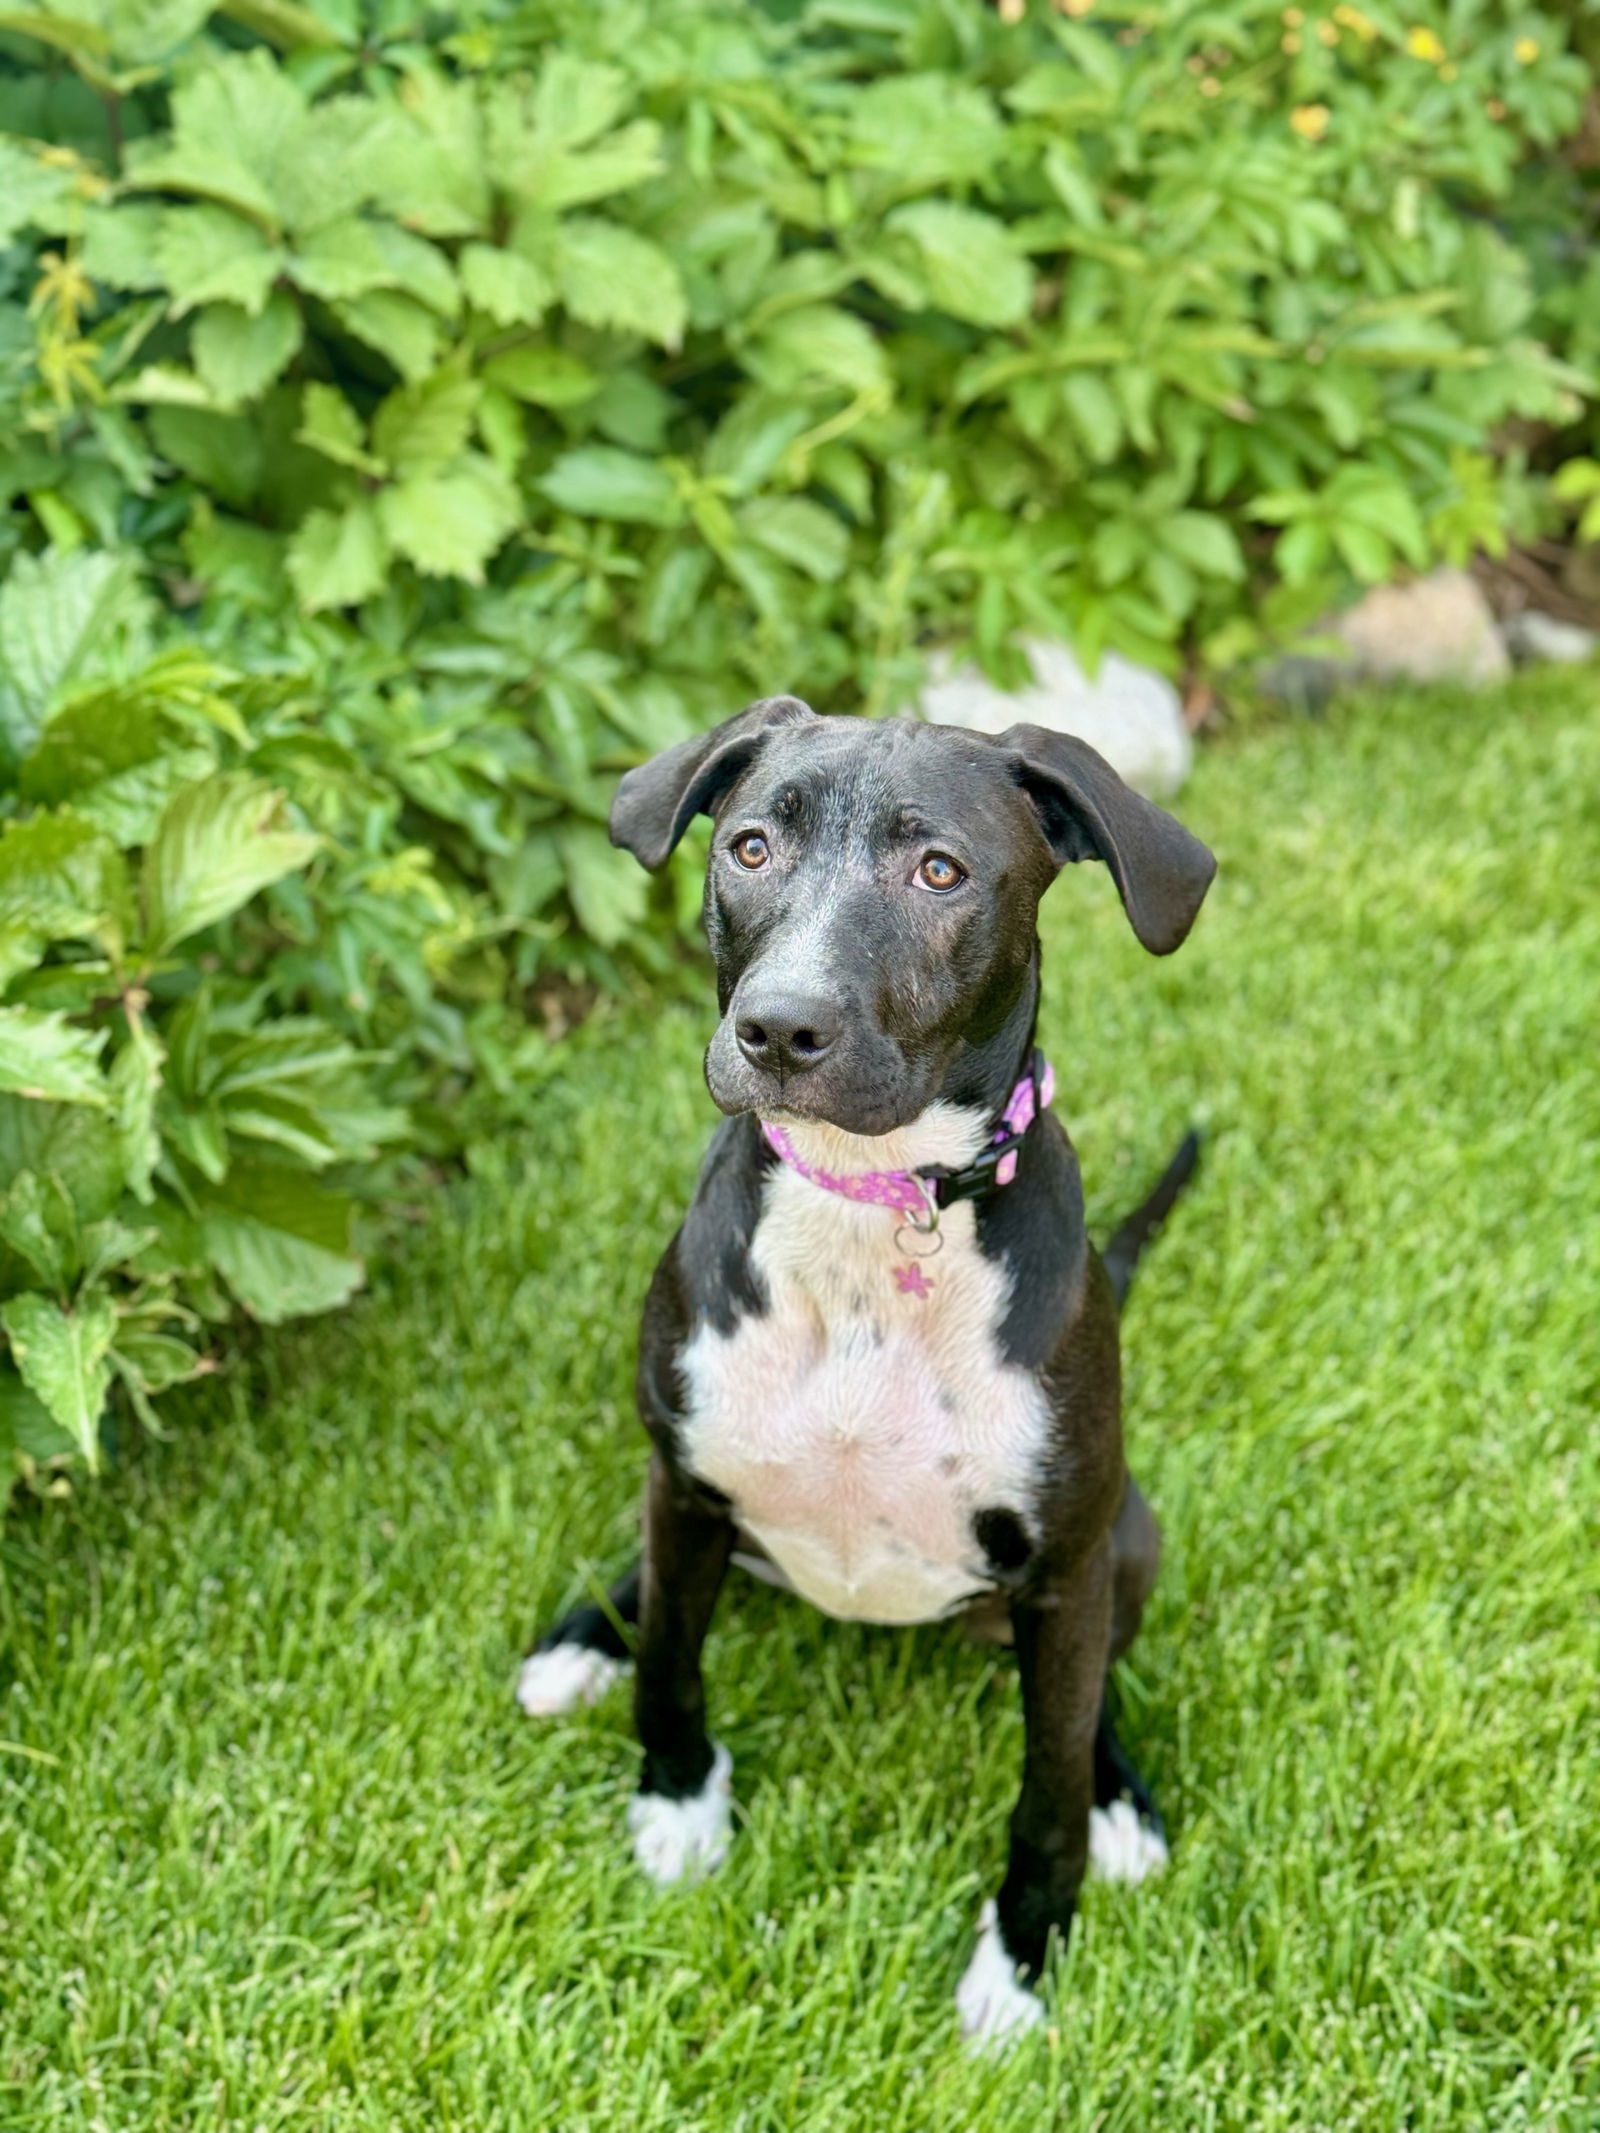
(1062, 1630)
(681, 1815)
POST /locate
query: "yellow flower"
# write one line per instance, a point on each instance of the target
(1526, 50)
(1077, 9)
(1289, 42)
(1293, 17)
(1310, 121)
(1424, 44)
(1353, 19)
(1326, 33)
(1011, 12)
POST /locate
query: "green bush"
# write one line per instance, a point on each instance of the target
(492, 397)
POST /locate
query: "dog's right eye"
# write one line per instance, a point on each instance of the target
(751, 850)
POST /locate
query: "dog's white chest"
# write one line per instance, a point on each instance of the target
(862, 1422)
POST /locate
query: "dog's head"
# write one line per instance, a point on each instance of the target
(873, 887)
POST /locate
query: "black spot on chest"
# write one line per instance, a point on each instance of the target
(1006, 1546)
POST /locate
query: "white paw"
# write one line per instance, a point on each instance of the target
(1122, 1844)
(558, 1680)
(675, 1840)
(991, 2003)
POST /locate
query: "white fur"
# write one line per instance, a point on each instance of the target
(991, 2003)
(1123, 1846)
(855, 1428)
(678, 1839)
(554, 1682)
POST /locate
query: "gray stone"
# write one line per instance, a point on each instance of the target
(1535, 636)
(1129, 713)
(1437, 628)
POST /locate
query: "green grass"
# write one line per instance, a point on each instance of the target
(278, 1851)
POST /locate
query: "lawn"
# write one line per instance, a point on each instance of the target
(279, 1851)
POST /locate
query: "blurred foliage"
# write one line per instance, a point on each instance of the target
(408, 419)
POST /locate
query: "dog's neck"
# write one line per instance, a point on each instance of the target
(956, 1125)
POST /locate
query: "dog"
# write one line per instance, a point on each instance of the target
(879, 1361)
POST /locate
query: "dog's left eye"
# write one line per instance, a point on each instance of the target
(751, 850)
(938, 871)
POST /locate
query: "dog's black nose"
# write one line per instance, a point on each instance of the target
(787, 1033)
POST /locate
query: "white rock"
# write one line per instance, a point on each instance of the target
(1437, 628)
(1534, 635)
(1129, 713)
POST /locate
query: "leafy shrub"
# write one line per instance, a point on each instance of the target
(771, 348)
(495, 396)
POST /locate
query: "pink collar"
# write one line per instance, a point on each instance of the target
(920, 1195)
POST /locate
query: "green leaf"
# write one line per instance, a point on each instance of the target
(343, 259)
(43, 1058)
(76, 1141)
(801, 532)
(1206, 543)
(614, 278)
(818, 347)
(40, 1223)
(28, 1424)
(135, 1084)
(60, 615)
(62, 1358)
(30, 189)
(511, 289)
(421, 428)
(219, 843)
(404, 332)
(546, 377)
(60, 879)
(973, 268)
(209, 254)
(223, 453)
(116, 757)
(449, 524)
(156, 1359)
(608, 895)
(331, 426)
(599, 481)
(281, 1242)
(237, 355)
(119, 245)
(339, 558)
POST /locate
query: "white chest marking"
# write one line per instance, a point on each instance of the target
(858, 1425)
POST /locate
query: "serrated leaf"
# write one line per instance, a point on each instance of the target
(1206, 543)
(608, 898)
(40, 1223)
(421, 428)
(281, 1242)
(30, 189)
(599, 481)
(235, 122)
(209, 254)
(339, 558)
(116, 758)
(505, 285)
(119, 245)
(449, 524)
(59, 880)
(801, 532)
(817, 346)
(972, 267)
(135, 1085)
(577, 99)
(404, 332)
(418, 267)
(342, 259)
(59, 616)
(331, 426)
(614, 278)
(238, 356)
(76, 1141)
(218, 844)
(62, 1358)
(546, 377)
(43, 1058)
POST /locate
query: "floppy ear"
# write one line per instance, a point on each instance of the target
(656, 803)
(1086, 812)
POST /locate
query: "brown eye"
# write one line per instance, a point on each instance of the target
(751, 850)
(939, 872)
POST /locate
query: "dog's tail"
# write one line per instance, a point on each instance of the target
(1127, 1245)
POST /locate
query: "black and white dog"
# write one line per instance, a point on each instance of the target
(879, 1361)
